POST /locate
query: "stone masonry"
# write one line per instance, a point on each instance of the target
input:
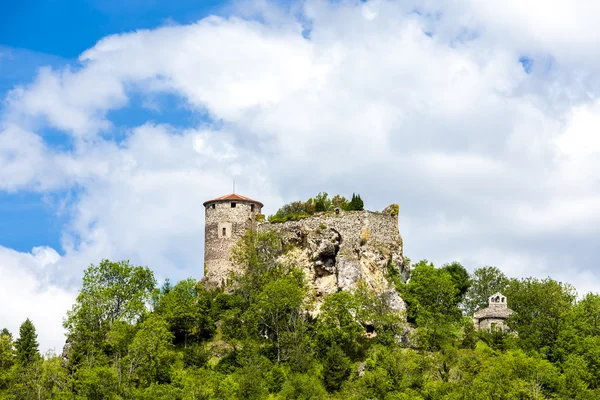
(227, 218)
(335, 249)
(494, 316)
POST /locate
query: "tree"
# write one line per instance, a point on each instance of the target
(484, 282)
(7, 357)
(151, 352)
(336, 368)
(186, 308)
(7, 351)
(279, 306)
(322, 202)
(337, 325)
(111, 291)
(26, 345)
(356, 203)
(460, 277)
(432, 299)
(541, 310)
(340, 202)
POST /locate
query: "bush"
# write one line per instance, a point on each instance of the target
(298, 210)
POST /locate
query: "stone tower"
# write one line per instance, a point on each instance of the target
(227, 218)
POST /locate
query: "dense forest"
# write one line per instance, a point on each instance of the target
(127, 338)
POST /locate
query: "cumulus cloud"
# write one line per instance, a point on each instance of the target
(481, 125)
(26, 292)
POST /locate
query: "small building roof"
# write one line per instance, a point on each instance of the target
(493, 312)
(497, 308)
(232, 196)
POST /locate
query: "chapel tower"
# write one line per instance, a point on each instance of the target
(227, 218)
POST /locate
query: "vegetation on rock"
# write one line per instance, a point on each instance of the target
(298, 210)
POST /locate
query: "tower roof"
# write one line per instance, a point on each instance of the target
(232, 196)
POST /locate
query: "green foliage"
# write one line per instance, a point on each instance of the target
(394, 209)
(484, 282)
(542, 308)
(460, 277)
(303, 387)
(186, 308)
(7, 353)
(356, 204)
(298, 210)
(151, 352)
(336, 368)
(26, 345)
(111, 292)
(259, 339)
(432, 297)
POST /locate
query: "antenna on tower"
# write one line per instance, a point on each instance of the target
(234, 186)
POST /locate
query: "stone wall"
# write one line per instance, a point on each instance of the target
(337, 249)
(224, 227)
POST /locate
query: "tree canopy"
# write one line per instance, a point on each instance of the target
(127, 338)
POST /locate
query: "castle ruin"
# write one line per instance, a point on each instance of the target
(336, 249)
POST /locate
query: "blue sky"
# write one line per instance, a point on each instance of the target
(39, 33)
(65, 28)
(480, 119)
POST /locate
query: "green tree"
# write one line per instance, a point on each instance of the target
(7, 357)
(187, 309)
(340, 202)
(541, 312)
(27, 345)
(356, 203)
(338, 326)
(432, 298)
(484, 282)
(97, 383)
(304, 387)
(111, 291)
(279, 307)
(151, 353)
(322, 202)
(336, 368)
(460, 277)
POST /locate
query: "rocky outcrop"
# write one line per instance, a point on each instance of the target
(338, 249)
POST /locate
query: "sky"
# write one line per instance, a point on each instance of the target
(118, 119)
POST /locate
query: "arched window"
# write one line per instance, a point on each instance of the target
(224, 232)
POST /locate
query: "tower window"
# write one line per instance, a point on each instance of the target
(251, 207)
(224, 231)
(213, 206)
(232, 205)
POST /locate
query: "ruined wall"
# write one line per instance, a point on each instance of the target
(224, 227)
(337, 249)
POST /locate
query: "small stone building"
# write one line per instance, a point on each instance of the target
(494, 315)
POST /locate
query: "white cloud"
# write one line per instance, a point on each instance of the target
(432, 110)
(26, 292)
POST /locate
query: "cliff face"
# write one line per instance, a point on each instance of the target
(338, 249)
